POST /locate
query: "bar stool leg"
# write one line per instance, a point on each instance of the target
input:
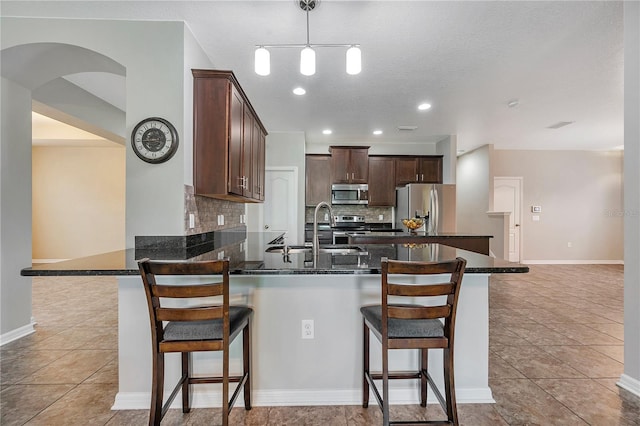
(385, 383)
(365, 365)
(157, 388)
(424, 363)
(449, 386)
(246, 351)
(186, 374)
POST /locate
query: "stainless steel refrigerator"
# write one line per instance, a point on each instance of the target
(434, 202)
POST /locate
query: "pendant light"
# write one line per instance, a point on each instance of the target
(262, 61)
(307, 61)
(307, 54)
(354, 60)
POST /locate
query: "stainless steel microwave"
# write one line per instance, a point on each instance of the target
(345, 193)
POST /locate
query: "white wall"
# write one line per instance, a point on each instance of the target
(15, 210)
(194, 58)
(631, 377)
(78, 201)
(154, 86)
(448, 148)
(474, 190)
(580, 193)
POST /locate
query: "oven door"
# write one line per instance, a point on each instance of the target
(340, 237)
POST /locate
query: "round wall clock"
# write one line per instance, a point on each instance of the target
(154, 140)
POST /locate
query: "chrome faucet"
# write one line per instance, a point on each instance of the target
(316, 242)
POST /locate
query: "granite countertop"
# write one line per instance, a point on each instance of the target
(417, 235)
(248, 256)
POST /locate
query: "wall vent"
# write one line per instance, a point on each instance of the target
(559, 124)
(407, 128)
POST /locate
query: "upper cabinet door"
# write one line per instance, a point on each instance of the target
(340, 171)
(382, 189)
(406, 170)
(430, 169)
(349, 164)
(236, 149)
(318, 179)
(359, 164)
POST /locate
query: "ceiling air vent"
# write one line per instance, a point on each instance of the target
(407, 128)
(559, 124)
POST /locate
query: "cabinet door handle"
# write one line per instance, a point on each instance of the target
(417, 178)
(422, 177)
(347, 175)
(352, 174)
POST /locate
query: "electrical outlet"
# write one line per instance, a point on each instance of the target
(242, 218)
(192, 221)
(220, 219)
(380, 217)
(307, 329)
(569, 244)
(221, 255)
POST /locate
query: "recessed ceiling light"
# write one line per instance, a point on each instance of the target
(423, 107)
(377, 132)
(327, 132)
(299, 91)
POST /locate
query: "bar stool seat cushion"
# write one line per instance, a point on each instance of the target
(206, 330)
(403, 328)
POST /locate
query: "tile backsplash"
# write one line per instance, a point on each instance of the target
(206, 211)
(371, 214)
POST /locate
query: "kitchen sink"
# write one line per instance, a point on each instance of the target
(332, 249)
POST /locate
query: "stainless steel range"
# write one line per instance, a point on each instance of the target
(347, 224)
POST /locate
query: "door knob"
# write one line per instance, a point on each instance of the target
(517, 224)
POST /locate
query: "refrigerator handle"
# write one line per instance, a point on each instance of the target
(436, 211)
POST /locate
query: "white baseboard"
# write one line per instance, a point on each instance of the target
(629, 383)
(17, 333)
(573, 262)
(272, 398)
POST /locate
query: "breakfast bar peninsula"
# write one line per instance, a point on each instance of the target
(286, 286)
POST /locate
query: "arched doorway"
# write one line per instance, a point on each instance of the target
(34, 75)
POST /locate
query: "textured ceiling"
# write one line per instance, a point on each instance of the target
(563, 61)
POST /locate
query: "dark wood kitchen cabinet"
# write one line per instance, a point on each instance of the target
(423, 169)
(317, 179)
(382, 188)
(349, 164)
(228, 139)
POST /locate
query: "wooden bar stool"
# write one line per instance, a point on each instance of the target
(414, 326)
(206, 327)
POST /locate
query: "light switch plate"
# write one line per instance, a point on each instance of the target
(536, 209)
(192, 221)
(535, 218)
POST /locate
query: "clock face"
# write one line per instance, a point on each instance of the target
(154, 140)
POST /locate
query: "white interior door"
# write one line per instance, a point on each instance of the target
(281, 202)
(507, 197)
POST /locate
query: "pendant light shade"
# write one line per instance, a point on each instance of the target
(262, 61)
(354, 60)
(307, 61)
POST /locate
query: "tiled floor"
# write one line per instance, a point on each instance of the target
(555, 356)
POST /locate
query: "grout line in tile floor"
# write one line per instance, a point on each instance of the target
(555, 356)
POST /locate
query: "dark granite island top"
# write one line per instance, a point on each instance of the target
(248, 256)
